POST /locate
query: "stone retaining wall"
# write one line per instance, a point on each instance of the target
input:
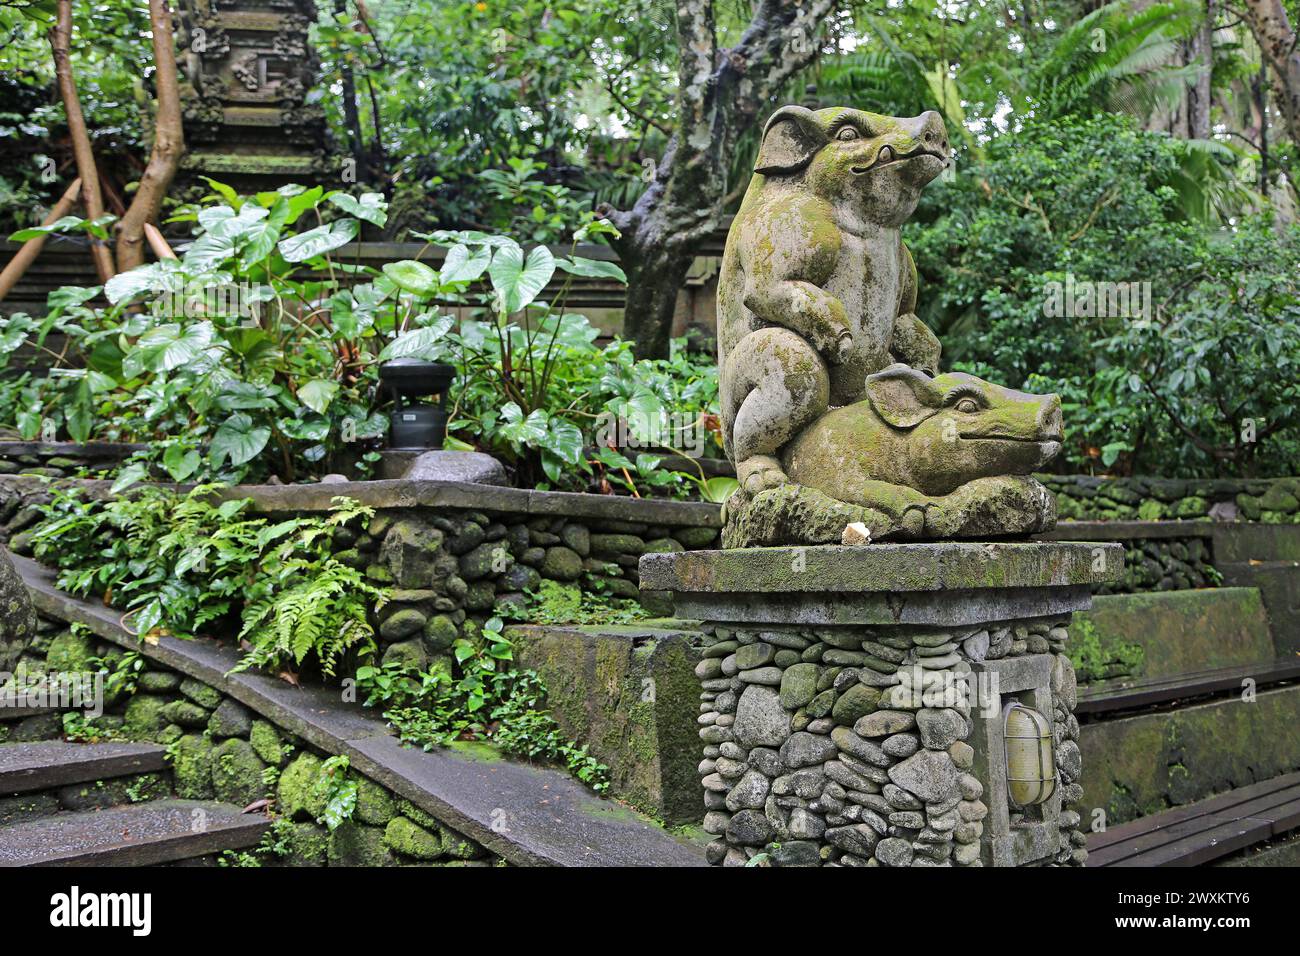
(852, 746)
(1089, 498)
(62, 459)
(220, 750)
(1164, 564)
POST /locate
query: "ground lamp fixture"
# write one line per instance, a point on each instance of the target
(417, 425)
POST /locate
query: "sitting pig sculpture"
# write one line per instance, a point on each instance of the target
(919, 457)
(829, 409)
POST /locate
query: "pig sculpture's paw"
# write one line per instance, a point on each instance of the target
(1003, 505)
(759, 473)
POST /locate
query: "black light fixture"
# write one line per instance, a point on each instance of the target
(417, 425)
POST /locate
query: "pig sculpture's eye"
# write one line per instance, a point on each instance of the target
(846, 134)
(968, 406)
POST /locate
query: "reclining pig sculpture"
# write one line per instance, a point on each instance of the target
(832, 409)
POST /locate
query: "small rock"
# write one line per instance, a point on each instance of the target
(894, 852)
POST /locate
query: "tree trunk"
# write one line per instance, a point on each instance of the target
(60, 44)
(168, 143)
(1201, 47)
(1280, 46)
(720, 94)
(653, 285)
(26, 255)
(351, 113)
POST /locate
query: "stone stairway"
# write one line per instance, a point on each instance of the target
(1188, 764)
(71, 804)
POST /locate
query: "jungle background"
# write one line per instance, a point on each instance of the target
(1132, 142)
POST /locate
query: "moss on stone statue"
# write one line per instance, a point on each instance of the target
(409, 839)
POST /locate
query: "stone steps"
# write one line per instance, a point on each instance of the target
(1205, 831)
(29, 767)
(1127, 694)
(145, 834)
(22, 713)
(1141, 763)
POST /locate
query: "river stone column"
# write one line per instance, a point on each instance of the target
(852, 698)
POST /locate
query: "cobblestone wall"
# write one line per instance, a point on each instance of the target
(854, 746)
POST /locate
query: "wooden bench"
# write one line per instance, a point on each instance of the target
(1126, 694)
(1201, 832)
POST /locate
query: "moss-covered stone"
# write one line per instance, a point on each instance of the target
(409, 839)
(192, 767)
(458, 847)
(298, 796)
(200, 693)
(158, 682)
(1143, 764)
(136, 788)
(185, 713)
(266, 743)
(70, 652)
(145, 717)
(306, 844)
(410, 653)
(374, 804)
(355, 844)
(402, 623)
(439, 633)
(230, 719)
(170, 734)
(237, 773)
(409, 810)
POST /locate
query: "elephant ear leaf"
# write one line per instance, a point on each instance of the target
(516, 280)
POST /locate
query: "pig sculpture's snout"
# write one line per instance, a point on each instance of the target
(1051, 426)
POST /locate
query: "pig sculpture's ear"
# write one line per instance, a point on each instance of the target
(790, 139)
(903, 396)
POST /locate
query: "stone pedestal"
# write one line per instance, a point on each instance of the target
(854, 699)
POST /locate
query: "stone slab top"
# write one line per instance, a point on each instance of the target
(408, 493)
(885, 568)
(1129, 530)
(530, 815)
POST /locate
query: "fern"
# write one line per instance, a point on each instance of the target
(182, 565)
(319, 607)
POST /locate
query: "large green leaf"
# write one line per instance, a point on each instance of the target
(419, 343)
(209, 251)
(517, 281)
(463, 266)
(318, 241)
(371, 207)
(180, 463)
(592, 268)
(317, 394)
(168, 347)
(414, 277)
(239, 440)
(59, 225)
(127, 285)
